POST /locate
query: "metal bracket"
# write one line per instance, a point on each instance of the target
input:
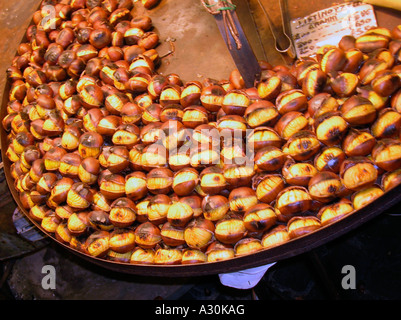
(235, 38)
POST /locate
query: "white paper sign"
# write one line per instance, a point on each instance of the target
(328, 26)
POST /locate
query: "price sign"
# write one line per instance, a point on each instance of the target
(328, 26)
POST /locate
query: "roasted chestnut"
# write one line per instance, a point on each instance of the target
(62, 233)
(218, 251)
(385, 83)
(108, 125)
(88, 170)
(345, 84)
(299, 226)
(261, 113)
(122, 240)
(99, 220)
(291, 100)
(387, 124)
(291, 123)
(269, 88)
(358, 143)
(247, 246)
(168, 256)
(159, 180)
(357, 110)
(112, 185)
(324, 186)
(152, 156)
(52, 158)
(147, 236)
(298, 173)
(135, 185)
(158, 207)
(97, 244)
(114, 158)
(204, 157)
(123, 212)
(330, 159)
(78, 223)
(321, 103)
(174, 134)
(371, 41)
(270, 158)
(241, 199)
(330, 128)
(386, 154)
(212, 97)
(190, 256)
(215, 207)
(365, 196)
(195, 202)
(179, 214)
(199, 233)
(262, 137)
(60, 190)
(268, 186)
(234, 125)
(235, 102)
(335, 211)
(274, 237)
(302, 145)
(127, 134)
(292, 201)
(50, 222)
(194, 116)
(259, 217)
(332, 61)
(142, 256)
(390, 179)
(90, 144)
(212, 180)
(238, 175)
(357, 173)
(79, 196)
(314, 82)
(172, 235)
(185, 181)
(179, 159)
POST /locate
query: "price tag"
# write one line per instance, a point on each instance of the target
(328, 26)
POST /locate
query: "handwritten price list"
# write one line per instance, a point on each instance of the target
(328, 26)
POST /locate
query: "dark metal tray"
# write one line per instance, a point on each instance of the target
(289, 249)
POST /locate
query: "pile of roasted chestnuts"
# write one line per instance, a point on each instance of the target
(123, 163)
